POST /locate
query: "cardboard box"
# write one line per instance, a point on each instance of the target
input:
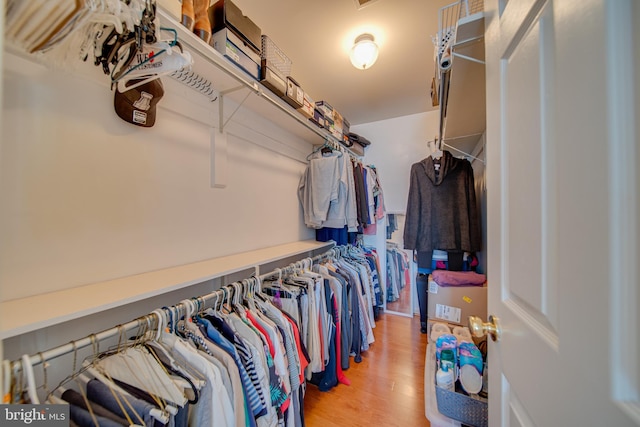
(327, 110)
(454, 304)
(338, 121)
(225, 14)
(318, 118)
(238, 42)
(308, 107)
(295, 94)
(221, 41)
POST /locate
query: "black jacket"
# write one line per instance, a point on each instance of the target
(441, 208)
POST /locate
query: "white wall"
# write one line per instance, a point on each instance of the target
(395, 145)
(87, 197)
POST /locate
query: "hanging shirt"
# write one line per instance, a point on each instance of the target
(441, 207)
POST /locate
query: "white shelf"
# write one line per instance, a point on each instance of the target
(465, 110)
(69, 304)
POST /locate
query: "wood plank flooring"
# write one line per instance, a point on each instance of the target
(386, 387)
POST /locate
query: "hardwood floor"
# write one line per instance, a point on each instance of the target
(403, 303)
(386, 387)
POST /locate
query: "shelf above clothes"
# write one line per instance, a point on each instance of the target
(461, 74)
(73, 303)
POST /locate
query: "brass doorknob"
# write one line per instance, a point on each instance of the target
(479, 329)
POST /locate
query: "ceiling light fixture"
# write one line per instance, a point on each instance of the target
(364, 52)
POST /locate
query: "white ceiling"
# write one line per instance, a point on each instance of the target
(317, 35)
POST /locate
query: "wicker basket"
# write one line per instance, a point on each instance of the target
(467, 410)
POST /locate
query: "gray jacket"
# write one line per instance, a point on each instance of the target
(441, 208)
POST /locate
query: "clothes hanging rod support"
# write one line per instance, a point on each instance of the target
(234, 89)
(467, 41)
(236, 110)
(462, 152)
(468, 58)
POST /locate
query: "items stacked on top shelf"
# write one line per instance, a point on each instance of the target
(241, 41)
(207, 71)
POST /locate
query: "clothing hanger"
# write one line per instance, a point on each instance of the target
(326, 145)
(118, 393)
(136, 366)
(6, 381)
(167, 342)
(27, 368)
(160, 59)
(434, 149)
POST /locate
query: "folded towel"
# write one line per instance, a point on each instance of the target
(458, 278)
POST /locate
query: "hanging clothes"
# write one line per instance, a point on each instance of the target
(243, 363)
(441, 208)
(327, 193)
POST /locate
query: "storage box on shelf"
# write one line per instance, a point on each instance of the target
(227, 43)
(328, 123)
(275, 67)
(295, 94)
(357, 149)
(225, 14)
(272, 80)
(308, 106)
(327, 110)
(274, 58)
(346, 128)
(225, 74)
(318, 118)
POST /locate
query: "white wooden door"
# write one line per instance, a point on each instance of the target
(563, 229)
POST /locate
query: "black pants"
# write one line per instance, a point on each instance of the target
(422, 286)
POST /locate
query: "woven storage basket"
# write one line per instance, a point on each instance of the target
(469, 411)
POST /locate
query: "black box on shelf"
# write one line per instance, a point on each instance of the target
(318, 118)
(225, 14)
(272, 80)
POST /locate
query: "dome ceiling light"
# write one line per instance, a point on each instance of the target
(364, 52)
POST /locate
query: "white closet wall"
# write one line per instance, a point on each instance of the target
(396, 144)
(87, 197)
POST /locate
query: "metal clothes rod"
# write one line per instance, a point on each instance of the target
(297, 265)
(462, 152)
(151, 320)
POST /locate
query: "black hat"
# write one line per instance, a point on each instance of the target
(138, 105)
